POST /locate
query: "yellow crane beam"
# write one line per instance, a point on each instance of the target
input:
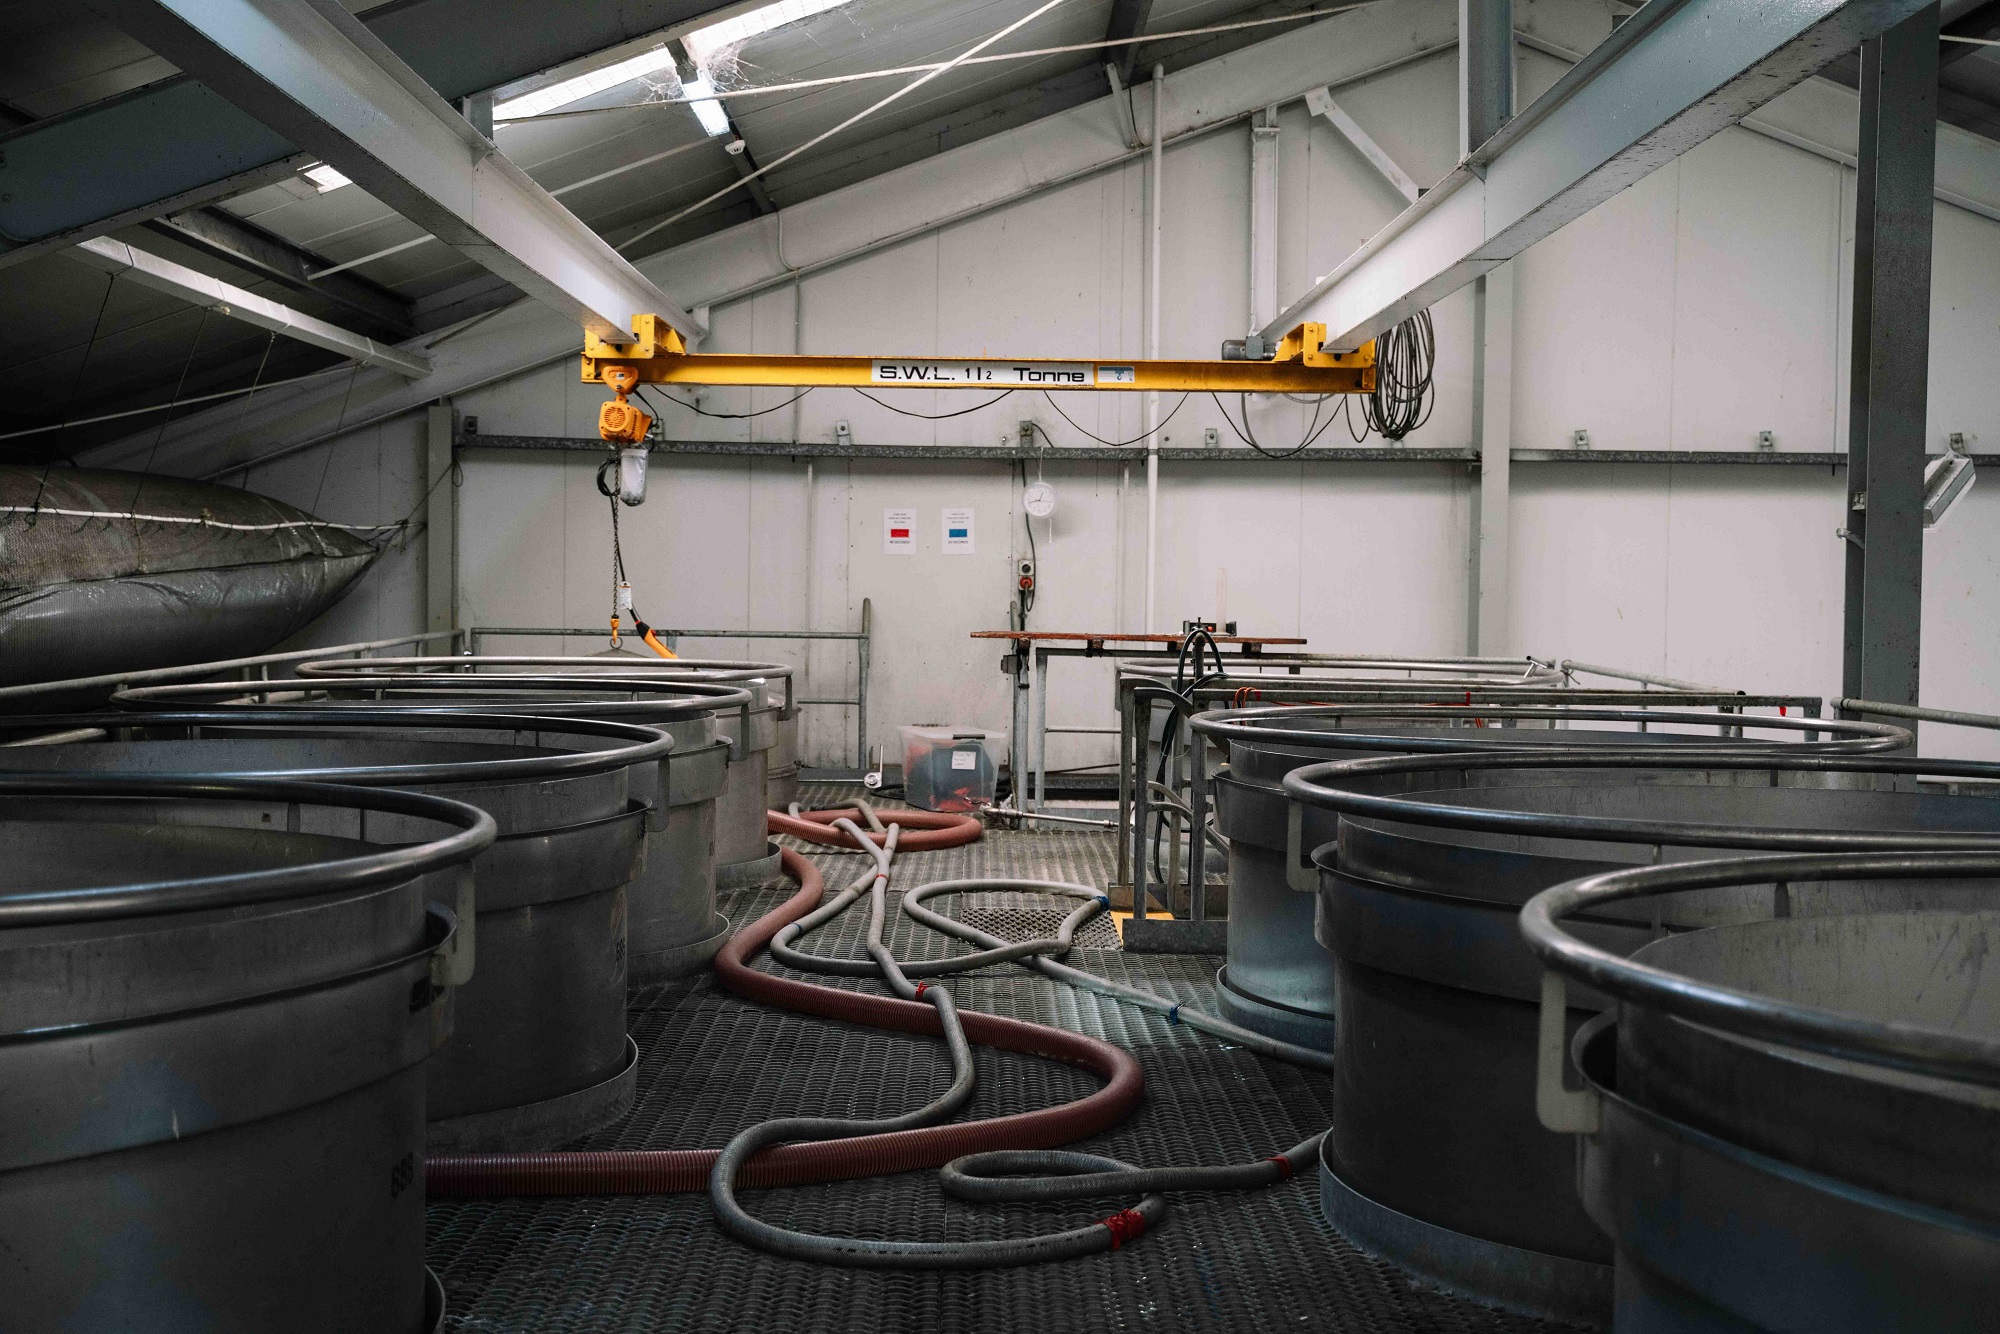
(658, 356)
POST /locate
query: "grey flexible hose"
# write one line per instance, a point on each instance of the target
(986, 1177)
(913, 905)
(871, 1254)
(1005, 952)
(989, 1178)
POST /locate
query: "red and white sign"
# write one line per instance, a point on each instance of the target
(899, 532)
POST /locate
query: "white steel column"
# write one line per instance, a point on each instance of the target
(1493, 437)
(1263, 217)
(1153, 350)
(440, 526)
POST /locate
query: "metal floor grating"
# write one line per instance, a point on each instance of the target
(711, 1064)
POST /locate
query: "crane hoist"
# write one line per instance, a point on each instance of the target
(1297, 364)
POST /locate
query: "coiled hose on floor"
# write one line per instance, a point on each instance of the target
(979, 1158)
(665, 1171)
(977, 1176)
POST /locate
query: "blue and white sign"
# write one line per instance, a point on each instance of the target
(958, 530)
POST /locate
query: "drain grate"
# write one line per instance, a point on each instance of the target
(711, 1064)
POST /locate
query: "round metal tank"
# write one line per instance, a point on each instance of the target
(540, 1054)
(215, 1031)
(1278, 979)
(1435, 1157)
(673, 925)
(744, 852)
(1790, 1124)
(781, 785)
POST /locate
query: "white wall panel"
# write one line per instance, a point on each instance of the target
(1756, 258)
(1594, 325)
(1701, 306)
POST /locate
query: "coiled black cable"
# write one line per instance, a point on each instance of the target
(1405, 359)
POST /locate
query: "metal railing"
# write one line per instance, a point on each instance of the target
(861, 639)
(252, 668)
(1888, 710)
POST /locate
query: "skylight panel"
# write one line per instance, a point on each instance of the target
(584, 85)
(324, 178)
(703, 45)
(705, 42)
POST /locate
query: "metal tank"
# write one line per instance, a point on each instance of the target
(781, 784)
(1435, 1157)
(1790, 1124)
(213, 1037)
(540, 1054)
(744, 852)
(674, 925)
(1278, 979)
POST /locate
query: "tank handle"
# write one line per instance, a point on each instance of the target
(656, 818)
(1300, 873)
(456, 954)
(1565, 1110)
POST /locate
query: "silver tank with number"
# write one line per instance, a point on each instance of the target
(214, 1028)
(540, 1054)
(1435, 1156)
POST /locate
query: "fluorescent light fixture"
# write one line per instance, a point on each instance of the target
(706, 109)
(324, 178)
(583, 85)
(705, 42)
(1946, 478)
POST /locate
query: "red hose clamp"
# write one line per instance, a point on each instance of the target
(1285, 1168)
(922, 987)
(1124, 1226)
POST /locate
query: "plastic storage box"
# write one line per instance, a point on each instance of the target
(951, 768)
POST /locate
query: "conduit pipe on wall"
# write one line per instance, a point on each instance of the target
(1153, 349)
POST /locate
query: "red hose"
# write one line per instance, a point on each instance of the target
(663, 1171)
(935, 829)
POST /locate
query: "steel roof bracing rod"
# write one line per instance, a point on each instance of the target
(1674, 74)
(315, 74)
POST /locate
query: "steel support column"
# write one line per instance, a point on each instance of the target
(1487, 630)
(1263, 217)
(440, 525)
(1485, 70)
(1891, 361)
(1676, 73)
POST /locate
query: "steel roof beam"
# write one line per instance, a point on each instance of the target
(1676, 73)
(316, 75)
(178, 280)
(176, 145)
(224, 236)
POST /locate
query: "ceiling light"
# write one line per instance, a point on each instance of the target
(324, 178)
(706, 109)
